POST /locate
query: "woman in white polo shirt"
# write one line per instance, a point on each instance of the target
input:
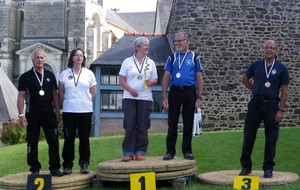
(137, 75)
(77, 87)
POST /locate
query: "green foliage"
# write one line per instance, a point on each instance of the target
(13, 134)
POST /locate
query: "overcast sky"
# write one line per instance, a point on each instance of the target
(131, 5)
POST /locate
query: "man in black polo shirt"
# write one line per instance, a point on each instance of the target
(271, 78)
(38, 87)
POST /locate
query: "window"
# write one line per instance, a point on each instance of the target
(111, 99)
(110, 75)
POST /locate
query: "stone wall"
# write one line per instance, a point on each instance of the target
(229, 34)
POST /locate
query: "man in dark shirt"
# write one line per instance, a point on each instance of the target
(39, 88)
(271, 78)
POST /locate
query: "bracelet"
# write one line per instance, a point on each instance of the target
(20, 115)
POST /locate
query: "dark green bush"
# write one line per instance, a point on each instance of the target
(13, 134)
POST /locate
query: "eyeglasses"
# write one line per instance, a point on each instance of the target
(178, 41)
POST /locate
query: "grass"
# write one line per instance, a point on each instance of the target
(213, 151)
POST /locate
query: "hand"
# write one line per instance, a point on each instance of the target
(198, 103)
(278, 116)
(133, 93)
(165, 103)
(23, 122)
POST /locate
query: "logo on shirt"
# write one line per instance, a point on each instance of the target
(47, 79)
(70, 77)
(273, 72)
(189, 62)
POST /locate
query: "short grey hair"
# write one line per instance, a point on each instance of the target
(272, 41)
(37, 50)
(140, 41)
(186, 36)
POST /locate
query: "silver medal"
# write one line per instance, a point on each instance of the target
(267, 84)
(178, 75)
(41, 92)
(139, 77)
(75, 91)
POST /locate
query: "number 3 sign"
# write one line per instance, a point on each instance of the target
(143, 181)
(246, 183)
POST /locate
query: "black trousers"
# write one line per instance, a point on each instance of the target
(82, 123)
(260, 110)
(42, 116)
(136, 124)
(184, 97)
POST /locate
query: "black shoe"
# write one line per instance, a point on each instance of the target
(189, 156)
(245, 171)
(84, 169)
(67, 171)
(168, 156)
(56, 173)
(268, 173)
(35, 172)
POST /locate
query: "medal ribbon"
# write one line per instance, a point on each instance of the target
(266, 70)
(40, 81)
(139, 70)
(76, 82)
(180, 63)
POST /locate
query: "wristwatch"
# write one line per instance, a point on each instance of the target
(20, 115)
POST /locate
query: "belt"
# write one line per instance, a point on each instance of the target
(182, 87)
(265, 99)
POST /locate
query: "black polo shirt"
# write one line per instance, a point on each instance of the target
(28, 82)
(278, 76)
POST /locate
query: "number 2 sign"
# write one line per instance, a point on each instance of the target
(39, 182)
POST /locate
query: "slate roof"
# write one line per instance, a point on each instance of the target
(158, 52)
(115, 18)
(140, 21)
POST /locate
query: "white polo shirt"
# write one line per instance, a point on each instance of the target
(77, 99)
(135, 74)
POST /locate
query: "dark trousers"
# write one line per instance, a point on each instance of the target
(136, 124)
(42, 117)
(184, 97)
(82, 123)
(258, 111)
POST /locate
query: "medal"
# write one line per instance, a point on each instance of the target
(178, 75)
(41, 92)
(139, 77)
(75, 91)
(267, 84)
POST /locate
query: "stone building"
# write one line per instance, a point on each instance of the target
(228, 35)
(57, 26)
